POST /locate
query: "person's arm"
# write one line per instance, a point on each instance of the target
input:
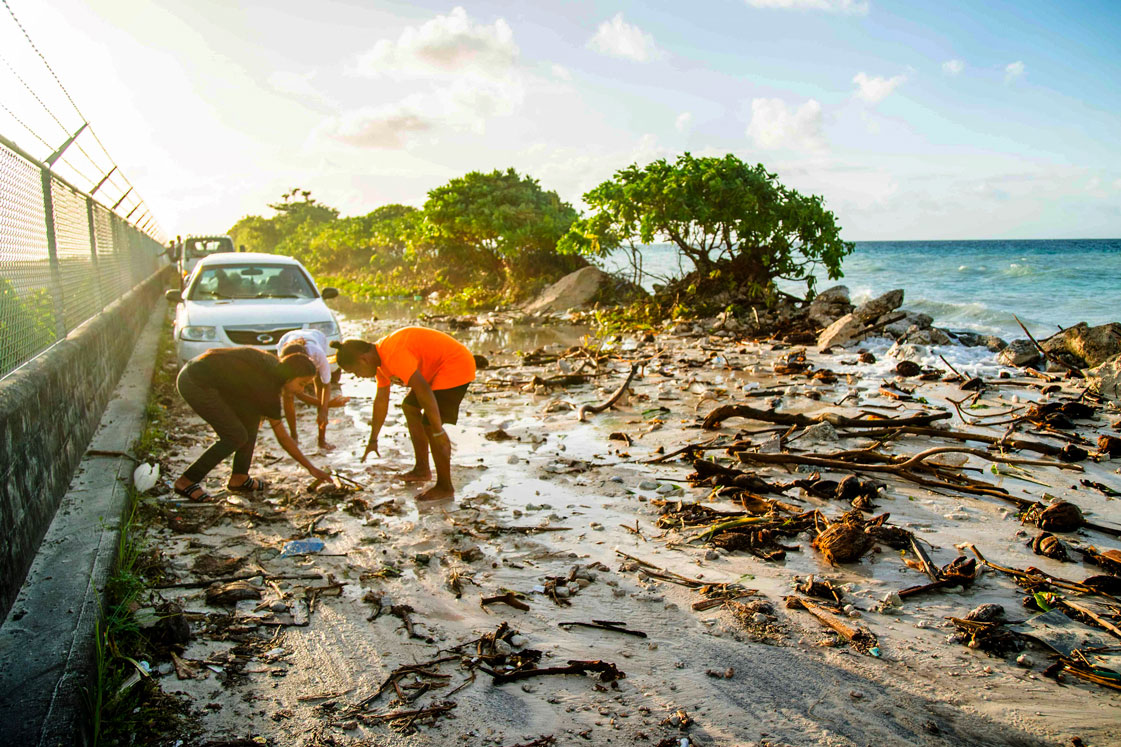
(290, 415)
(381, 409)
(307, 399)
(293, 450)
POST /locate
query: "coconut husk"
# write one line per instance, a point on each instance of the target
(844, 541)
(1061, 516)
(1050, 546)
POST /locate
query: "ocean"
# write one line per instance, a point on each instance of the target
(975, 285)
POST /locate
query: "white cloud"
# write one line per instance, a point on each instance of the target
(684, 121)
(853, 7)
(468, 103)
(445, 44)
(773, 125)
(560, 72)
(874, 90)
(617, 38)
(391, 127)
(1013, 70)
(953, 67)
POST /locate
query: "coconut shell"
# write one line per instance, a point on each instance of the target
(843, 542)
(1061, 517)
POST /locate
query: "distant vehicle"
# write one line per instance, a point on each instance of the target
(247, 299)
(195, 248)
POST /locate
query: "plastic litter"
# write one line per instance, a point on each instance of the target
(303, 547)
(144, 477)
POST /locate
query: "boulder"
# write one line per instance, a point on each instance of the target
(574, 290)
(829, 306)
(1094, 345)
(898, 329)
(841, 332)
(1106, 378)
(1019, 353)
(926, 336)
(870, 311)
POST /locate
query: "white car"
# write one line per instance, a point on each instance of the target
(234, 299)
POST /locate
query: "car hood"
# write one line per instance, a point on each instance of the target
(256, 311)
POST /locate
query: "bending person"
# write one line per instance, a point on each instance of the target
(232, 389)
(313, 344)
(437, 369)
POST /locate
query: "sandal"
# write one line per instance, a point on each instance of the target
(190, 491)
(251, 485)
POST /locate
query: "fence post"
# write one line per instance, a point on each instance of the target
(52, 254)
(101, 300)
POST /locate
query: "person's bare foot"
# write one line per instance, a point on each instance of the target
(325, 446)
(436, 493)
(415, 475)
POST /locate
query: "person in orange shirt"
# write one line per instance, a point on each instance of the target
(437, 369)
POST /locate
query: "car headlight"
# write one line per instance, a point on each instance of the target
(327, 328)
(194, 333)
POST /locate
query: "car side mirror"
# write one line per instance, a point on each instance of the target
(173, 295)
(329, 293)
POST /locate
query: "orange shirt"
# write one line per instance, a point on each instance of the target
(442, 361)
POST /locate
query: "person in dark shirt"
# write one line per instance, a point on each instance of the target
(232, 389)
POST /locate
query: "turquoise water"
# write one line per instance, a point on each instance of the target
(979, 285)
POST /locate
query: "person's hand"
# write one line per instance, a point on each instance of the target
(318, 474)
(371, 445)
(338, 401)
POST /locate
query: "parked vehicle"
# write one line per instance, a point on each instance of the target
(247, 299)
(195, 248)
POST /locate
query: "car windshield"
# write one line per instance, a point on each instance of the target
(201, 247)
(250, 281)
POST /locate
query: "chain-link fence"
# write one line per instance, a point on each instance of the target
(63, 257)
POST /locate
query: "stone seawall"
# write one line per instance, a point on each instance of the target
(49, 410)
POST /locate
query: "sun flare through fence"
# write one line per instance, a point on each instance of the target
(63, 257)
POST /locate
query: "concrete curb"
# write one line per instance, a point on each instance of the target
(46, 642)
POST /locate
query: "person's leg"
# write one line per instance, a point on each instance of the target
(243, 457)
(448, 400)
(421, 472)
(210, 406)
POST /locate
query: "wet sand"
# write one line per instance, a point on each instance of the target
(554, 498)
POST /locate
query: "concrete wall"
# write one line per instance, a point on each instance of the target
(49, 409)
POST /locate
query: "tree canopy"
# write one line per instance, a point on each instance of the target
(734, 222)
(500, 224)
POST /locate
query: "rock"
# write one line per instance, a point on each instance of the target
(577, 289)
(1106, 378)
(906, 351)
(648, 485)
(870, 311)
(828, 306)
(841, 332)
(1019, 353)
(910, 319)
(819, 433)
(986, 613)
(927, 336)
(908, 368)
(994, 343)
(1092, 345)
(1024, 661)
(867, 357)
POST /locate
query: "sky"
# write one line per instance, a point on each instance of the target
(914, 120)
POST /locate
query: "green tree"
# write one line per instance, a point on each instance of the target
(499, 230)
(739, 227)
(298, 217)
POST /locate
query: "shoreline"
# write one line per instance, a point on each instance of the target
(523, 460)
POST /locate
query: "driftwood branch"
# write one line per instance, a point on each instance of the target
(722, 413)
(593, 409)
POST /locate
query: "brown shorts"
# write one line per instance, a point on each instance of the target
(447, 400)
